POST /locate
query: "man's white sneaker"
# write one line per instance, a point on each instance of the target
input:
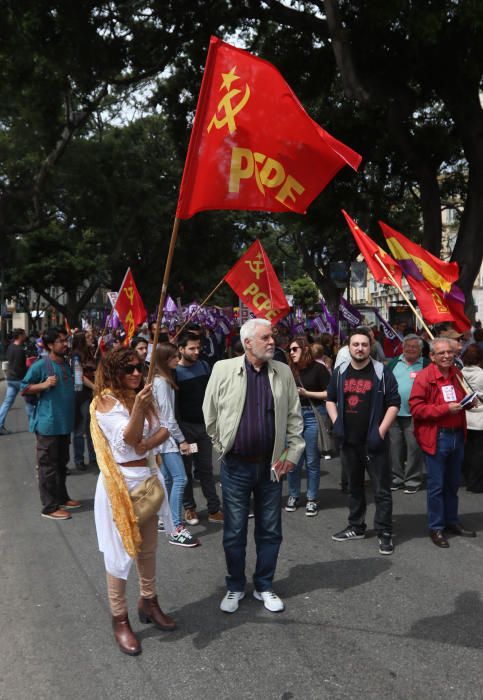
(230, 602)
(270, 600)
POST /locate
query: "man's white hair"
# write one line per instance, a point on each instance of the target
(248, 328)
(439, 341)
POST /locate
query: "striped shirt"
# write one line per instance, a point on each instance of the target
(256, 432)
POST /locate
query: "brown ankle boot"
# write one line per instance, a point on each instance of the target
(149, 611)
(124, 636)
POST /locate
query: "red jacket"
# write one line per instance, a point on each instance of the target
(428, 406)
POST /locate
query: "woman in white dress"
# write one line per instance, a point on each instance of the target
(125, 427)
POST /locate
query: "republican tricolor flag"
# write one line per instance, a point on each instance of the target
(432, 280)
(253, 146)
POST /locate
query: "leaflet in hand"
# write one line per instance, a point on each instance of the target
(469, 398)
(277, 466)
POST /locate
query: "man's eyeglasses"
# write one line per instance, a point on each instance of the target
(130, 369)
(294, 349)
(445, 352)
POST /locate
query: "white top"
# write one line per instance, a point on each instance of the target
(474, 376)
(113, 423)
(164, 397)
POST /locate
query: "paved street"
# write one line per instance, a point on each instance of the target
(356, 624)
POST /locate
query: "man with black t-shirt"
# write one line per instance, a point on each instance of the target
(363, 402)
(192, 376)
(15, 373)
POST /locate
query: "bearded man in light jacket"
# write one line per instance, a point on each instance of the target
(252, 414)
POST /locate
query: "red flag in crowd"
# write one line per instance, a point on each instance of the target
(369, 250)
(129, 305)
(432, 280)
(253, 146)
(254, 280)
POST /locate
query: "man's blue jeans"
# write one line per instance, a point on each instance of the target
(443, 479)
(239, 479)
(13, 387)
(311, 457)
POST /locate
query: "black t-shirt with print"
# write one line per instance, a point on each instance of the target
(357, 403)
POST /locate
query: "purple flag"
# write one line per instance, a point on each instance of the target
(389, 331)
(297, 329)
(330, 319)
(170, 305)
(321, 325)
(350, 313)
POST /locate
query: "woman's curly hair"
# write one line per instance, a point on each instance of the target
(109, 376)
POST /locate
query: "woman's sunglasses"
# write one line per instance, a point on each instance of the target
(294, 348)
(130, 369)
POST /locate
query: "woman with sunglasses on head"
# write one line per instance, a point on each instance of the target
(125, 427)
(312, 379)
(167, 358)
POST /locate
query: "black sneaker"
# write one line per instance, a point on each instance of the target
(385, 543)
(292, 503)
(311, 509)
(350, 533)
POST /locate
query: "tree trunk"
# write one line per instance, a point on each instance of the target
(468, 251)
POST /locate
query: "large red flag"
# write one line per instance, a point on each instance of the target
(432, 280)
(253, 146)
(254, 280)
(129, 305)
(370, 250)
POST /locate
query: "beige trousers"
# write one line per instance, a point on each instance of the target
(146, 567)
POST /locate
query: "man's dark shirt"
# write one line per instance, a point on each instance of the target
(256, 433)
(16, 362)
(357, 403)
(191, 381)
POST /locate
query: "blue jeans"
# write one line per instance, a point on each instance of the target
(239, 479)
(175, 478)
(82, 426)
(443, 479)
(13, 387)
(311, 456)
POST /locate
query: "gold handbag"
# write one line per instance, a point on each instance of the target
(147, 497)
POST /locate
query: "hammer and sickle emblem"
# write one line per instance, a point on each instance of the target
(225, 105)
(256, 266)
(129, 321)
(130, 294)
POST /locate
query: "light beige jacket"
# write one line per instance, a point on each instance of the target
(225, 399)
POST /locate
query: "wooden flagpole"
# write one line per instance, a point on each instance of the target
(103, 333)
(199, 307)
(162, 298)
(404, 295)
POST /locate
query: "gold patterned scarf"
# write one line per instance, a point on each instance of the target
(121, 504)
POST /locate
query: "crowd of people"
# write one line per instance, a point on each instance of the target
(270, 405)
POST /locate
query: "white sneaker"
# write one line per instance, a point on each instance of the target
(230, 602)
(270, 600)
